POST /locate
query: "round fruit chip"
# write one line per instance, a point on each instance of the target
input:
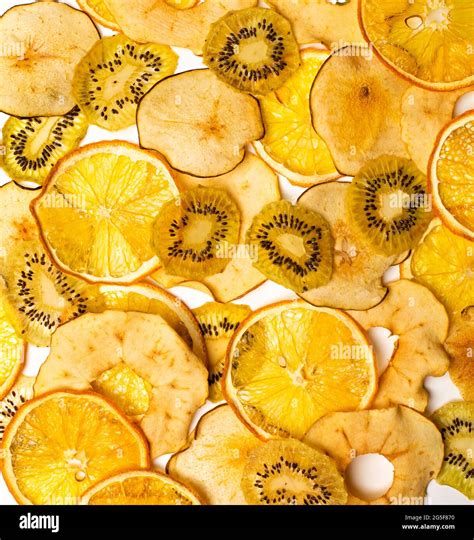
(455, 421)
(288, 472)
(406, 438)
(361, 121)
(162, 21)
(199, 123)
(20, 393)
(214, 461)
(290, 145)
(139, 488)
(356, 281)
(115, 74)
(97, 208)
(451, 175)
(252, 49)
(324, 21)
(290, 363)
(98, 10)
(137, 361)
(218, 322)
(411, 312)
(428, 42)
(148, 298)
(58, 445)
(12, 349)
(459, 345)
(36, 73)
(444, 262)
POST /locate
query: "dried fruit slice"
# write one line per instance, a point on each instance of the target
(33, 146)
(411, 312)
(215, 458)
(455, 421)
(36, 71)
(252, 49)
(356, 281)
(444, 262)
(361, 121)
(294, 246)
(20, 393)
(60, 444)
(406, 438)
(290, 363)
(290, 145)
(138, 362)
(115, 74)
(158, 21)
(252, 185)
(97, 208)
(98, 10)
(218, 322)
(12, 349)
(148, 298)
(139, 488)
(451, 175)
(389, 205)
(324, 21)
(197, 111)
(192, 234)
(424, 113)
(427, 42)
(288, 472)
(39, 295)
(459, 345)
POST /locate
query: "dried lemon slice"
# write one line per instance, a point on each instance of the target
(60, 444)
(451, 175)
(97, 208)
(12, 348)
(290, 363)
(290, 145)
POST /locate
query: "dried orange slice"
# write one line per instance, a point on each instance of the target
(290, 363)
(291, 146)
(139, 488)
(60, 444)
(97, 208)
(427, 41)
(12, 348)
(451, 175)
(99, 11)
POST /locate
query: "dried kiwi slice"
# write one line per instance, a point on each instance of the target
(40, 295)
(288, 472)
(34, 145)
(191, 234)
(295, 246)
(252, 49)
(455, 420)
(21, 392)
(389, 204)
(218, 322)
(115, 74)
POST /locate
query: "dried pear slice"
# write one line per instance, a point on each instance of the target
(411, 312)
(406, 438)
(156, 21)
(356, 281)
(138, 362)
(215, 458)
(46, 41)
(361, 121)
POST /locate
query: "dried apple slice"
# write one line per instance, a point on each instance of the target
(139, 363)
(252, 185)
(44, 42)
(199, 123)
(361, 121)
(356, 281)
(157, 21)
(411, 312)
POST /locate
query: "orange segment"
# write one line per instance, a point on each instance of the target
(142, 488)
(12, 349)
(289, 364)
(59, 445)
(451, 175)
